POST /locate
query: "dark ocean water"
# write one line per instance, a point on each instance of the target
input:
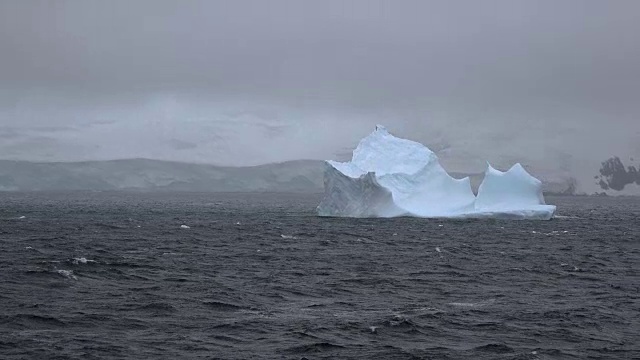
(113, 275)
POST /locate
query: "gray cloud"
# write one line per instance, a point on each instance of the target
(555, 84)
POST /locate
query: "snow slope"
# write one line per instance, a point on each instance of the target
(389, 177)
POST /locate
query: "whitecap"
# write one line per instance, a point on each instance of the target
(470, 304)
(82, 260)
(185, 227)
(565, 217)
(463, 304)
(287, 236)
(67, 273)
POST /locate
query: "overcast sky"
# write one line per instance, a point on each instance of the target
(555, 84)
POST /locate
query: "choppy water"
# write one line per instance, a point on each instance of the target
(108, 275)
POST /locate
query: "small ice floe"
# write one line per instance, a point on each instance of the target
(440, 225)
(533, 232)
(81, 260)
(238, 223)
(185, 227)
(67, 273)
(287, 236)
(374, 329)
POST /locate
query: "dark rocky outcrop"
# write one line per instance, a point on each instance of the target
(614, 175)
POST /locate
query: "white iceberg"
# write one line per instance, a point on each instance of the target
(389, 177)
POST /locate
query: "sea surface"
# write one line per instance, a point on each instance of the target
(259, 276)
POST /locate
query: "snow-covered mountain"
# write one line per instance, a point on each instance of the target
(560, 150)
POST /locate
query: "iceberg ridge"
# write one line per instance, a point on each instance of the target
(389, 176)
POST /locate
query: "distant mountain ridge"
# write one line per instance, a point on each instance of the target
(159, 175)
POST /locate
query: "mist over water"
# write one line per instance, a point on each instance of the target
(248, 133)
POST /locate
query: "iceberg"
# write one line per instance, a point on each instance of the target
(389, 177)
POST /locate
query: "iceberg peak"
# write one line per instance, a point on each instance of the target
(390, 176)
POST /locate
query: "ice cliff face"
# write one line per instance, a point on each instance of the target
(389, 177)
